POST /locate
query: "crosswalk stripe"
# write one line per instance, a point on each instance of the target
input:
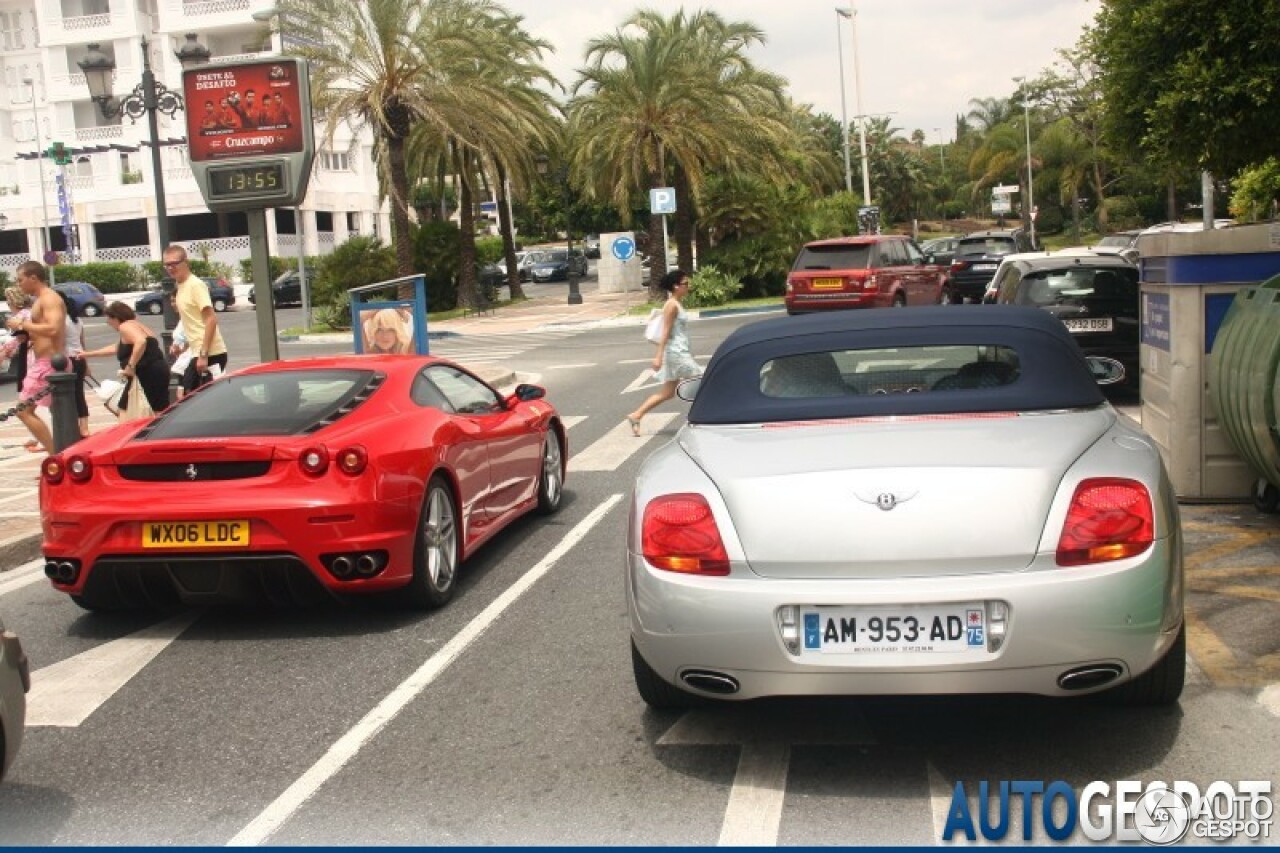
(618, 444)
(571, 421)
(21, 577)
(66, 693)
(1269, 698)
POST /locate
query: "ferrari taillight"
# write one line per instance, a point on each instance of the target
(1110, 519)
(314, 460)
(679, 534)
(352, 460)
(53, 470)
(79, 468)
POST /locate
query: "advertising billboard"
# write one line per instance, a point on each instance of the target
(246, 110)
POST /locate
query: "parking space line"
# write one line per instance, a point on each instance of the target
(349, 745)
(755, 801)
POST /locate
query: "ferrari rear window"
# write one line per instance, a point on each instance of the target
(835, 257)
(283, 402)
(895, 370)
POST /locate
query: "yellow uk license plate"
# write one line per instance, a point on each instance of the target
(827, 284)
(195, 534)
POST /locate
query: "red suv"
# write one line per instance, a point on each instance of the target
(864, 272)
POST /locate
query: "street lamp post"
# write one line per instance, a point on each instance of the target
(265, 16)
(852, 14)
(150, 98)
(562, 177)
(1031, 193)
(44, 193)
(844, 118)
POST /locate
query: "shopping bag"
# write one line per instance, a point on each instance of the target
(109, 391)
(136, 407)
(653, 326)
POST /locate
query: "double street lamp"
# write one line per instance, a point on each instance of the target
(852, 15)
(149, 98)
(1031, 194)
(562, 178)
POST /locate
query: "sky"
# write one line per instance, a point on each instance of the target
(922, 60)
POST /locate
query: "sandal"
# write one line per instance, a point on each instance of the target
(635, 425)
(33, 446)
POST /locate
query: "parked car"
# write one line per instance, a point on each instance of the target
(526, 261)
(555, 265)
(1053, 560)
(88, 300)
(940, 249)
(217, 497)
(591, 245)
(977, 257)
(15, 683)
(863, 272)
(287, 288)
(1095, 297)
(221, 295)
(1123, 243)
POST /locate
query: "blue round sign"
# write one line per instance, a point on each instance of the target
(624, 248)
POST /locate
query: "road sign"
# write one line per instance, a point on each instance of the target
(662, 200)
(623, 248)
(1004, 189)
(1000, 203)
(251, 138)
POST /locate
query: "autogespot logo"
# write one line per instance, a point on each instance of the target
(1157, 812)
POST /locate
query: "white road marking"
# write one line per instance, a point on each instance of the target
(618, 444)
(23, 576)
(754, 813)
(637, 361)
(66, 693)
(349, 745)
(646, 379)
(571, 421)
(1269, 698)
(570, 366)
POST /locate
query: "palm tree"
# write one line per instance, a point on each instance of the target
(1000, 156)
(392, 65)
(1061, 145)
(987, 113)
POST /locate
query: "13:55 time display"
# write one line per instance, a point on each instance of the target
(267, 179)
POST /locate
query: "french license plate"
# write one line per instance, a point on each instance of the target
(827, 284)
(1088, 324)
(947, 628)
(195, 534)
(984, 267)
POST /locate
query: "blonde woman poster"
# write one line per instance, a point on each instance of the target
(387, 331)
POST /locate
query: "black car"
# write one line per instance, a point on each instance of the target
(556, 263)
(943, 249)
(591, 245)
(221, 295)
(978, 257)
(1096, 298)
(286, 289)
(88, 300)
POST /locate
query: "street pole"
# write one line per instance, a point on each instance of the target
(844, 118)
(852, 14)
(575, 296)
(151, 103)
(44, 193)
(1031, 192)
(268, 345)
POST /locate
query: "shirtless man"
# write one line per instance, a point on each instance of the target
(47, 331)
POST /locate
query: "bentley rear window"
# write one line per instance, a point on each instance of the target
(285, 402)
(896, 370)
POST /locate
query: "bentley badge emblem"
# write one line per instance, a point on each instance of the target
(192, 473)
(886, 500)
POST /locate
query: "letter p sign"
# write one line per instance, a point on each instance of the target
(662, 200)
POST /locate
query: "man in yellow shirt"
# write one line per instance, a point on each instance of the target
(198, 321)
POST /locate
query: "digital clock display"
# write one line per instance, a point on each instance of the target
(238, 181)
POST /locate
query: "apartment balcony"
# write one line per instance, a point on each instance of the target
(204, 16)
(72, 21)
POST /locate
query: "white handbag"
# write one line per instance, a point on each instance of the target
(653, 326)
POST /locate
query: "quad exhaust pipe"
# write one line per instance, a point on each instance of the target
(342, 567)
(366, 565)
(710, 682)
(1086, 677)
(355, 564)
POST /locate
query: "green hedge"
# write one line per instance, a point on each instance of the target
(154, 270)
(113, 277)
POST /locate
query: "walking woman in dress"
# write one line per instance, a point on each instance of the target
(139, 355)
(674, 361)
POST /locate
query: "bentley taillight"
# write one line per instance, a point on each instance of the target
(1110, 519)
(679, 534)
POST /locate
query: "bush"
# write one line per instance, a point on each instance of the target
(1122, 213)
(1050, 220)
(709, 287)
(109, 277)
(357, 262)
(336, 315)
(154, 270)
(435, 253)
(488, 250)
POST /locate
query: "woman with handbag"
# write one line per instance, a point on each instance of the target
(674, 360)
(141, 361)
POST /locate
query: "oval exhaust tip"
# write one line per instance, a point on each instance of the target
(710, 682)
(366, 564)
(342, 566)
(1086, 677)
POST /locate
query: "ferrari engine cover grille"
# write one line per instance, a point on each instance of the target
(179, 471)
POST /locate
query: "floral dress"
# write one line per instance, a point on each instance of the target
(677, 361)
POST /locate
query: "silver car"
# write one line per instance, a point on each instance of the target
(15, 681)
(935, 501)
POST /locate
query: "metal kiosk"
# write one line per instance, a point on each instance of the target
(390, 326)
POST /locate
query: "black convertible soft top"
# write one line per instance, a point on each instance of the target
(1053, 373)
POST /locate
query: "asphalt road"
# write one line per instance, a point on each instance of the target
(509, 717)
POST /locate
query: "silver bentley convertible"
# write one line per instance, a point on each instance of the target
(930, 501)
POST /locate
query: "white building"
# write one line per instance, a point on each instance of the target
(110, 184)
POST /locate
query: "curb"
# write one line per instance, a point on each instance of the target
(19, 549)
(725, 312)
(328, 338)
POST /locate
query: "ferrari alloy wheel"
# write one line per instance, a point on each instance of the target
(435, 561)
(551, 479)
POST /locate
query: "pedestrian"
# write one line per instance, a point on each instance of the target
(46, 330)
(179, 350)
(79, 366)
(15, 348)
(673, 361)
(138, 352)
(198, 320)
